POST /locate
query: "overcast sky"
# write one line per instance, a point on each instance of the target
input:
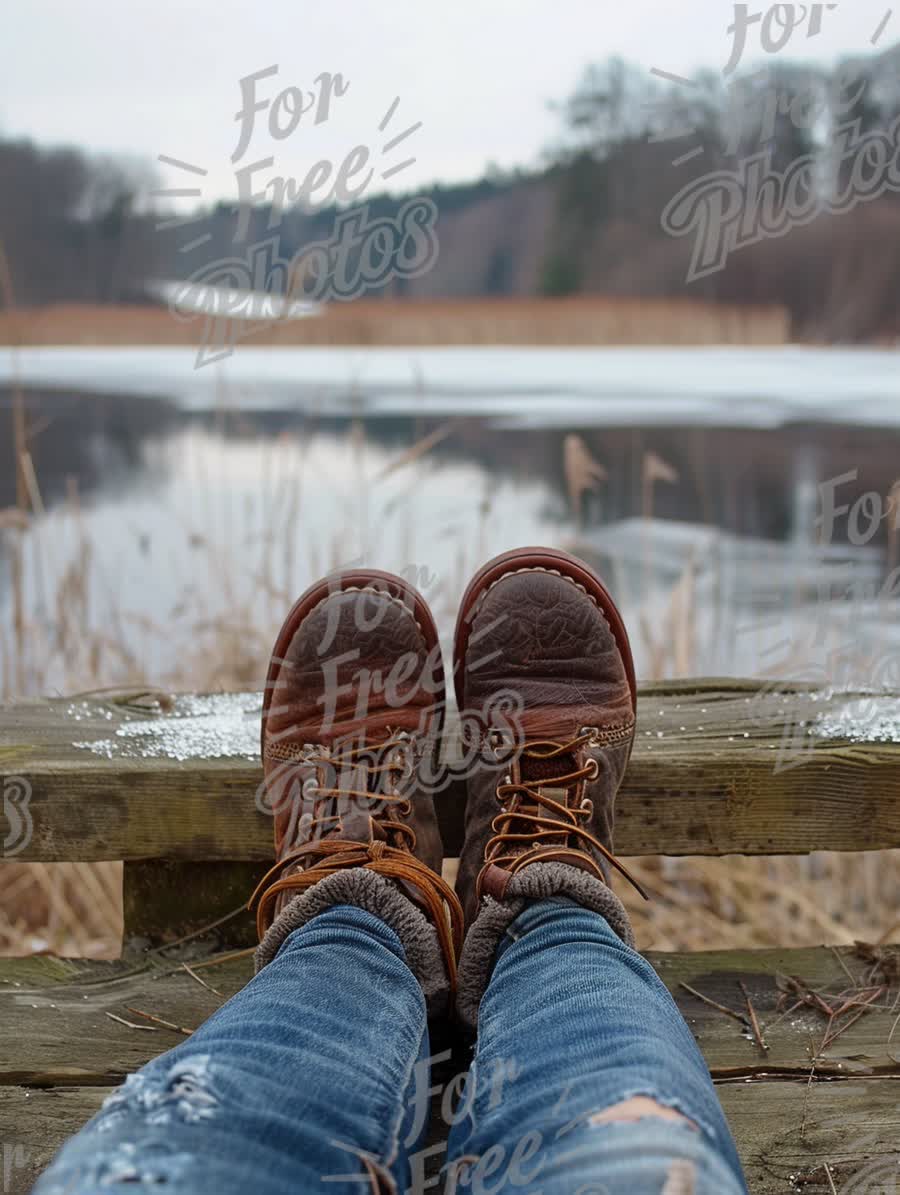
(151, 77)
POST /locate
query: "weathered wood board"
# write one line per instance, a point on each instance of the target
(60, 1053)
(35, 1123)
(54, 1029)
(719, 767)
(787, 1132)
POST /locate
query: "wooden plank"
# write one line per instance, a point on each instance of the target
(789, 1121)
(718, 767)
(793, 1040)
(34, 1124)
(786, 1133)
(165, 900)
(55, 1030)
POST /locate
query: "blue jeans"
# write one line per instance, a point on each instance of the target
(316, 1077)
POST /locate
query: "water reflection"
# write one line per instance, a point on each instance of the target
(173, 540)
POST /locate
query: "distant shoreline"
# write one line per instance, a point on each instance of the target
(579, 321)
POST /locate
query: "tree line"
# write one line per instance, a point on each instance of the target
(78, 227)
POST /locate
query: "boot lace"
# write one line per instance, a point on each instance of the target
(547, 828)
(325, 806)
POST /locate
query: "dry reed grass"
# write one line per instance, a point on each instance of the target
(697, 902)
(735, 902)
(62, 908)
(583, 320)
(742, 902)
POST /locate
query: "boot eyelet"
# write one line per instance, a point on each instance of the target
(499, 744)
(595, 769)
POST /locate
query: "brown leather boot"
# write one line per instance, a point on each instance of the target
(539, 623)
(353, 706)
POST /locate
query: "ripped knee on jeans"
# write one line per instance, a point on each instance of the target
(638, 1107)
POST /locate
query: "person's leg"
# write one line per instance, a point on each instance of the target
(586, 1077)
(302, 1082)
(306, 1080)
(605, 1088)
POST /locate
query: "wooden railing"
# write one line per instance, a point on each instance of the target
(719, 767)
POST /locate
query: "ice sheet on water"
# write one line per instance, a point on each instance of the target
(534, 387)
(751, 565)
(795, 609)
(220, 726)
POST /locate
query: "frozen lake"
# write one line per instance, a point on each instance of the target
(180, 510)
(551, 387)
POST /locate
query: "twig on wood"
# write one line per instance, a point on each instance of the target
(856, 999)
(131, 1025)
(883, 962)
(210, 962)
(199, 978)
(890, 1037)
(893, 1007)
(808, 995)
(830, 1179)
(893, 1057)
(832, 1038)
(822, 1005)
(787, 1012)
(204, 929)
(812, 1074)
(754, 1022)
(729, 1012)
(159, 1021)
(846, 969)
(224, 958)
